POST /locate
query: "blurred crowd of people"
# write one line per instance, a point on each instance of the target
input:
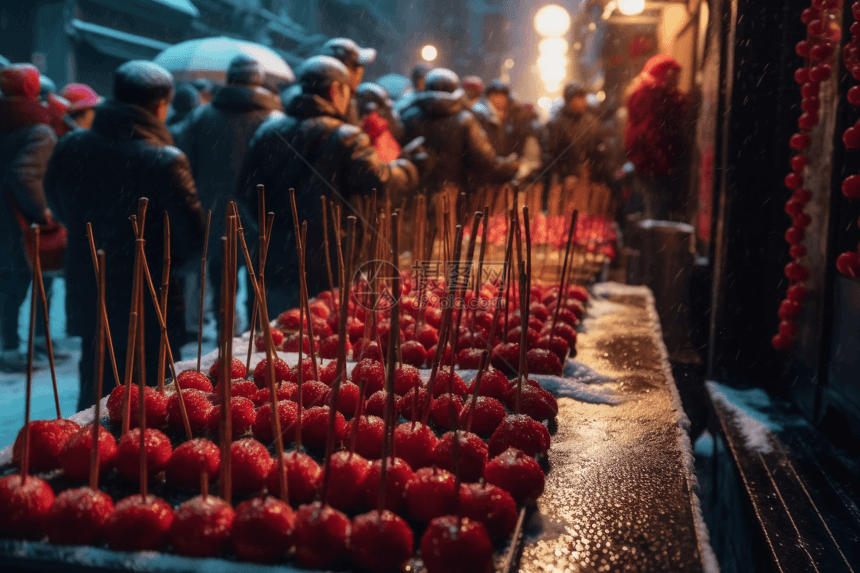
(72, 157)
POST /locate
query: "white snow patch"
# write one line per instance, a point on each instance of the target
(757, 428)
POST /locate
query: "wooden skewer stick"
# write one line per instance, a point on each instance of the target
(303, 286)
(226, 332)
(528, 256)
(341, 360)
(524, 322)
(99, 372)
(562, 286)
(388, 435)
(325, 243)
(165, 284)
(141, 381)
(262, 241)
(264, 252)
(25, 449)
(132, 335)
(203, 292)
(479, 276)
(46, 321)
(463, 284)
(102, 306)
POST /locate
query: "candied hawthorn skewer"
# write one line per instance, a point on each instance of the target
(203, 290)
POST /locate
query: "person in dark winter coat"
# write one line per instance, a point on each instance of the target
(26, 144)
(97, 176)
(507, 123)
(215, 139)
(185, 101)
(315, 151)
(355, 59)
(463, 156)
(571, 135)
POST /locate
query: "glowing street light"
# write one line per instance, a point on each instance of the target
(553, 46)
(429, 53)
(552, 21)
(631, 7)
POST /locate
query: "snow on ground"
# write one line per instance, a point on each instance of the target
(749, 408)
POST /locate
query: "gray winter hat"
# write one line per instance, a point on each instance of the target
(245, 70)
(316, 74)
(441, 80)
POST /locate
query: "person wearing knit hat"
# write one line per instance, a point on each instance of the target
(26, 144)
(83, 100)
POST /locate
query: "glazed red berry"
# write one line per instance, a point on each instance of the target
(242, 416)
(202, 526)
(417, 446)
(448, 382)
(473, 455)
(796, 293)
(412, 404)
(794, 235)
(506, 357)
(542, 361)
(304, 478)
(513, 336)
(782, 342)
(399, 474)
(787, 328)
(430, 493)
(282, 373)
(154, 403)
(788, 309)
(262, 529)
(139, 524)
(348, 472)
(237, 370)
(24, 506)
(489, 413)
(76, 453)
(347, 399)
(328, 373)
(158, 451)
(245, 389)
(368, 438)
(197, 407)
(517, 473)
(800, 141)
(314, 393)
(188, 379)
(445, 360)
(291, 343)
(289, 319)
(405, 378)
(315, 427)
(453, 545)
(371, 373)
(797, 251)
(250, 463)
(78, 516)
(796, 271)
(470, 358)
(535, 402)
(491, 505)
(47, 438)
(285, 391)
(263, 429)
(321, 535)
(851, 187)
(329, 347)
(521, 432)
(277, 340)
(377, 403)
(494, 384)
(427, 335)
(364, 349)
(557, 345)
(190, 459)
(440, 410)
(380, 542)
(414, 353)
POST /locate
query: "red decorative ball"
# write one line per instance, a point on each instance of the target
(304, 478)
(431, 493)
(821, 72)
(453, 545)
(797, 251)
(78, 516)
(414, 353)
(76, 453)
(242, 416)
(491, 505)
(517, 473)
(798, 162)
(802, 48)
(473, 455)
(520, 432)
(321, 535)
(854, 93)
(796, 271)
(810, 89)
(47, 438)
(197, 407)
(202, 526)
(190, 459)
(801, 75)
(380, 542)
(139, 524)
(282, 373)
(288, 413)
(399, 474)
(315, 427)
(851, 186)
(794, 235)
(416, 446)
(250, 463)
(782, 342)
(24, 506)
(262, 529)
(787, 328)
(237, 370)
(188, 379)
(849, 264)
(806, 121)
(799, 140)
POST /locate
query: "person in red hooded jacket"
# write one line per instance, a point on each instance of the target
(656, 138)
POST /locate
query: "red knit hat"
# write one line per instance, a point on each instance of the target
(81, 96)
(20, 80)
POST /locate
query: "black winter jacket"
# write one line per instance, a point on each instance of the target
(215, 138)
(316, 152)
(97, 176)
(570, 140)
(463, 155)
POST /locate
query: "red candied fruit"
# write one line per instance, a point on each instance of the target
(237, 370)
(415, 444)
(557, 345)
(321, 535)
(406, 377)
(506, 357)
(364, 349)
(76, 453)
(250, 463)
(489, 413)
(347, 398)
(188, 379)
(428, 336)
(285, 391)
(47, 438)
(494, 384)
(564, 330)
(78, 516)
(289, 319)
(535, 402)
(277, 340)
(368, 438)
(542, 361)
(190, 459)
(314, 393)
(197, 407)
(158, 451)
(448, 382)
(413, 353)
(304, 478)
(399, 474)
(454, 545)
(329, 347)
(380, 542)
(445, 359)
(416, 400)
(440, 410)
(470, 358)
(154, 403)
(139, 524)
(245, 389)
(372, 373)
(315, 427)
(473, 455)
(291, 343)
(521, 432)
(513, 336)
(242, 416)
(430, 493)
(24, 507)
(307, 370)
(376, 404)
(202, 526)
(288, 413)
(348, 472)
(262, 529)
(491, 505)
(517, 473)
(328, 373)
(282, 373)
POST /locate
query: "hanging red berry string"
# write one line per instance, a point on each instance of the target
(817, 51)
(848, 263)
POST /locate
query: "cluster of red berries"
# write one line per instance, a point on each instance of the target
(848, 263)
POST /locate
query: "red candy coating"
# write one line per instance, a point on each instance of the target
(535, 402)
(491, 505)
(380, 542)
(448, 382)
(417, 446)
(262, 529)
(25, 507)
(416, 400)
(372, 373)
(348, 473)
(304, 478)
(288, 413)
(202, 526)
(405, 378)
(237, 370)
(542, 361)
(286, 391)
(368, 438)
(245, 389)
(489, 413)
(321, 535)
(242, 416)
(431, 493)
(315, 427)
(197, 407)
(473, 455)
(250, 463)
(78, 516)
(399, 474)
(277, 339)
(154, 403)
(47, 438)
(282, 373)
(158, 451)
(188, 379)
(191, 458)
(494, 384)
(521, 432)
(517, 473)
(347, 399)
(452, 545)
(414, 353)
(314, 393)
(139, 524)
(76, 453)
(440, 411)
